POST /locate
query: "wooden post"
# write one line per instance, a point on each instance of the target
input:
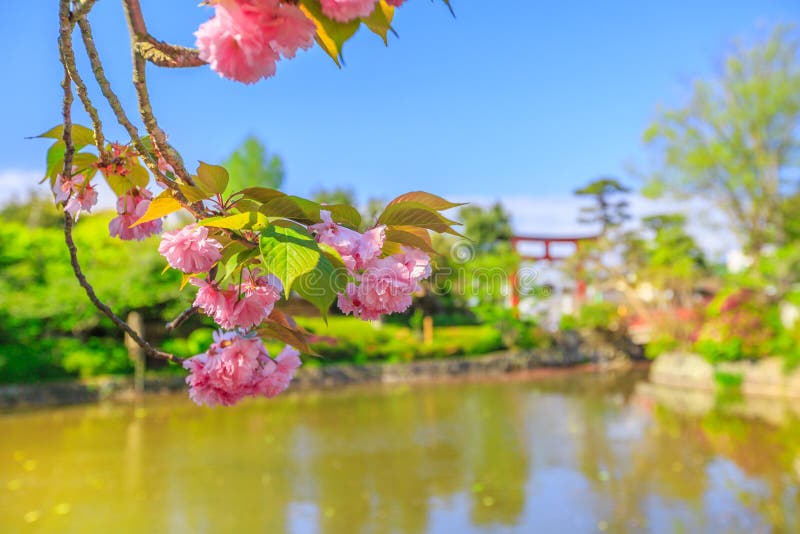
(135, 352)
(427, 330)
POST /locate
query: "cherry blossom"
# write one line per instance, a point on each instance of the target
(130, 208)
(237, 366)
(76, 195)
(189, 249)
(245, 38)
(355, 248)
(347, 10)
(386, 285)
(243, 305)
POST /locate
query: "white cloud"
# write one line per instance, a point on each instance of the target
(17, 184)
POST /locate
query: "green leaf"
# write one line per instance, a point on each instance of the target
(159, 207)
(231, 249)
(82, 161)
(426, 199)
(55, 159)
(281, 327)
(138, 176)
(410, 236)
(81, 135)
(288, 252)
(212, 179)
(261, 194)
(246, 205)
(251, 220)
(321, 286)
(192, 193)
(333, 255)
(344, 214)
(416, 214)
(380, 20)
(390, 248)
(291, 207)
(331, 35)
(233, 265)
(118, 184)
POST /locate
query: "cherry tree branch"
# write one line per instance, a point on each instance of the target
(65, 43)
(100, 305)
(181, 318)
(68, 60)
(122, 117)
(151, 49)
(137, 28)
(81, 10)
(167, 55)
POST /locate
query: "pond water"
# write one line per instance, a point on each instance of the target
(561, 453)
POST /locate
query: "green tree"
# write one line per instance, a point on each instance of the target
(735, 141)
(610, 208)
(251, 165)
(336, 195)
(372, 211)
(36, 211)
(672, 261)
(48, 328)
(478, 270)
(344, 195)
(489, 228)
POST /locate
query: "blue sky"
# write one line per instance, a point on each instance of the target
(520, 100)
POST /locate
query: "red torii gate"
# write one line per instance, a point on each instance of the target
(546, 255)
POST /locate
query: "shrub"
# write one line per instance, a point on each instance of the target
(740, 324)
(593, 316)
(352, 340)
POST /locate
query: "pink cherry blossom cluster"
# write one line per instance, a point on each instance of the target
(386, 285)
(130, 208)
(246, 38)
(238, 366)
(76, 194)
(381, 285)
(347, 10)
(190, 250)
(244, 305)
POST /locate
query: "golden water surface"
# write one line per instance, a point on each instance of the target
(564, 453)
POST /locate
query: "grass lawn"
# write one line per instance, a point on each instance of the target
(350, 339)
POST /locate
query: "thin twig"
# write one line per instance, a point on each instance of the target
(66, 86)
(68, 59)
(181, 318)
(138, 32)
(167, 55)
(105, 87)
(81, 10)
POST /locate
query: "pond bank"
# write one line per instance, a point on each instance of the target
(308, 377)
(761, 378)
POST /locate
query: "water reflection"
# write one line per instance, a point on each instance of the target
(576, 453)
